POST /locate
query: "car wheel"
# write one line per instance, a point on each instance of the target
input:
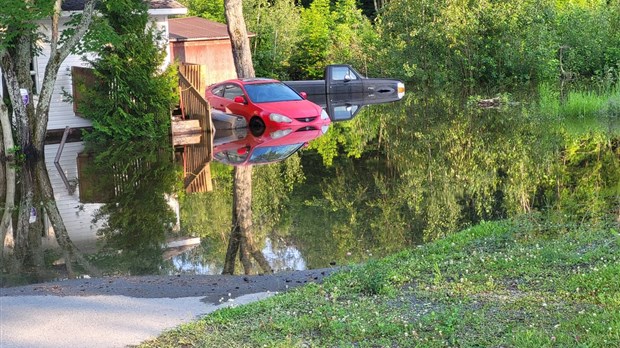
(257, 126)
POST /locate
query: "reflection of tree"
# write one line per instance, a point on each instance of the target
(242, 234)
(208, 214)
(433, 166)
(35, 204)
(7, 190)
(136, 219)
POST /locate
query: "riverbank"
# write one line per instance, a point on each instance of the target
(529, 282)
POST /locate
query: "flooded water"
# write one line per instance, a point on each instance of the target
(383, 178)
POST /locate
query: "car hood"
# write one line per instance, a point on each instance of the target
(301, 108)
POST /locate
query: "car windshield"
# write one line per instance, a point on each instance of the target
(273, 153)
(271, 92)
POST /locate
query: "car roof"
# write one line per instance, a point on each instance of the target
(248, 81)
(257, 80)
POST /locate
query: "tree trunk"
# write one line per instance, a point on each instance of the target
(7, 132)
(239, 38)
(10, 70)
(241, 239)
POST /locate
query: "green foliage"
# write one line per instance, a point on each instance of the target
(17, 154)
(498, 42)
(209, 9)
(132, 97)
(434, 42)
(274, 43)
(314, 36)
(309, 60)
(588, 34)
(20, 18)
(332, 33)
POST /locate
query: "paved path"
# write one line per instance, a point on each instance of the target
(96, 321)
(121, 311)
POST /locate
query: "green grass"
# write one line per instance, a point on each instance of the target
(520, 283)
(582, 112)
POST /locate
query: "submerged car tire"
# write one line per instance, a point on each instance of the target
(257, 126)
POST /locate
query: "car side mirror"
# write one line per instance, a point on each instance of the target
(243, 150)
(239, 99)
(303, 95)
(347, 78)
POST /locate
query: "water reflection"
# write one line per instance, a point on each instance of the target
(399, 174)
(137, 216)
(269, 146)
(344, 106)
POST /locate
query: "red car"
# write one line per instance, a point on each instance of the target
(266, 103)
(273, 145)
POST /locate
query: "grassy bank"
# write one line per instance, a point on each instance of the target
(522, 283)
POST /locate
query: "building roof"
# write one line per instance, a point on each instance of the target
(78, 5)
(196, 28)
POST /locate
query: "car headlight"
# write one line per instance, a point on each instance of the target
(280, 133)
(279, 118)
(324, 115)
(324, 128)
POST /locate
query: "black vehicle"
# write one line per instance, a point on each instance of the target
(344, 79)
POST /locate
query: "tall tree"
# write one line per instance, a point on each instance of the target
(241, 238)
(132, 97)
(18, 46)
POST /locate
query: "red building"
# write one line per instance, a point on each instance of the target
(200, 41)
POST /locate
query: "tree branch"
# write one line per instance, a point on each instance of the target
(57, 56)
(55, 19)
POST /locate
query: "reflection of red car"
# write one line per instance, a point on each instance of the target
(265, 103)
(275, 144)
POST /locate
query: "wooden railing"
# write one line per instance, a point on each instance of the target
(197, 169)
(195, 74)
(193, 105)
(196, 157)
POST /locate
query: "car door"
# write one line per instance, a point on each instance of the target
(343, 80)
